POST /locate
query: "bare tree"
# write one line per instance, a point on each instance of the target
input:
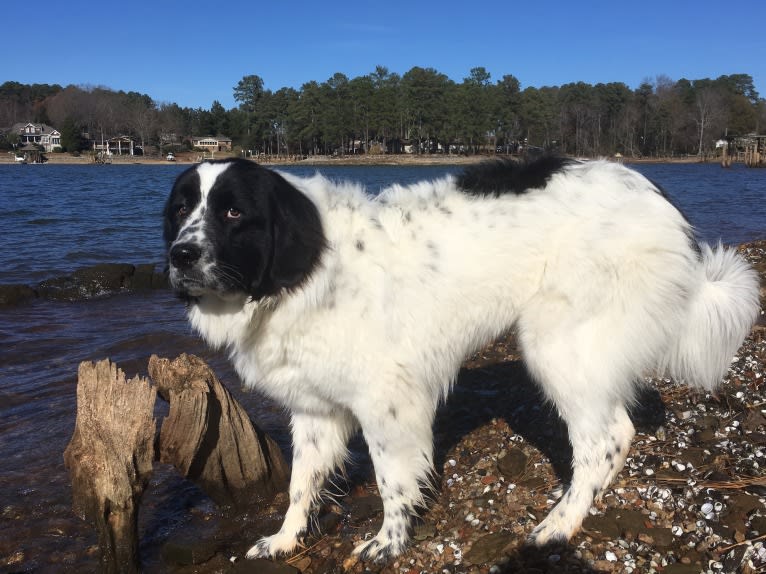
(709, 110)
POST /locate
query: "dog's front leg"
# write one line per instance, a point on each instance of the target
(400, 440)
(319, 447)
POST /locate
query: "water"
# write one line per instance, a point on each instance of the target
(56, 218)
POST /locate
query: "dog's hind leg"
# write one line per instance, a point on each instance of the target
(319, 447)
(400, 440)
(587, 385)
(598, 454)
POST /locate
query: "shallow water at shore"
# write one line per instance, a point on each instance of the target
(54, 219)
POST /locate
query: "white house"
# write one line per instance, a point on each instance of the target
(120, 145)
(210, 143)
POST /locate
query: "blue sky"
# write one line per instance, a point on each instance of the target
(193, 53)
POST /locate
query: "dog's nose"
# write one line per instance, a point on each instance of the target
(184, 255)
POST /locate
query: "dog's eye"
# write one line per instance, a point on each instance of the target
(233, 213)
(182, 211)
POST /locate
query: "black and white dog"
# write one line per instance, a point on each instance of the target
(356, 311)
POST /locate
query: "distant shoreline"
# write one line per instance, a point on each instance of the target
(349, 160)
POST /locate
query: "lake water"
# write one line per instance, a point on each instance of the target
(56, 218)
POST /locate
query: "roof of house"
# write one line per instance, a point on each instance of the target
(41, 129)
(217, 138)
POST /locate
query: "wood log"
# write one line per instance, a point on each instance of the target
(209, 438)
(110, 458)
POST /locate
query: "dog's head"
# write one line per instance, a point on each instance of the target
(233, 227)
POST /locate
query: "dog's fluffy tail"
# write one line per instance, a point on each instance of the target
(721, 314)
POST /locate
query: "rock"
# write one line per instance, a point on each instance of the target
(513, 464)
(489, 548)
(758, 523)
(423, 531)
(87, 282)
(60, 289)
(616, 522)
(263, 566)
(142, 277)
(365, 507)
(14, 294)
(105, 276)
(734, 558)
(740, 505)
(663, 537)
(189, 553)
(303, 563)
(754, 420)
(328, 523)
(679, 568)
(160, 281)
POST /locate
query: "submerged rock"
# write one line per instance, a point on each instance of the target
(88, 282)
(15, 294)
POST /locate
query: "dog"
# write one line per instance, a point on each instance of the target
(356, 312)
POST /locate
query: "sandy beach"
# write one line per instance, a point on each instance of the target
(319, 160)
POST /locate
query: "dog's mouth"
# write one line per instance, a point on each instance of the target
(196, 282)
(188, 282)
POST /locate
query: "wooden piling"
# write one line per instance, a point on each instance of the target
(110, 458)
(209, 438)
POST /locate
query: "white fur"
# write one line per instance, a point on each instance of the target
(596, 271)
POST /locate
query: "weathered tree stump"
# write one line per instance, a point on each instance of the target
(209, 438)
(110, 458)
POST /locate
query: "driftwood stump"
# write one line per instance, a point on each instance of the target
(209, 438)
(110, 458)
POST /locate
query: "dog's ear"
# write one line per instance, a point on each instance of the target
(298, 238)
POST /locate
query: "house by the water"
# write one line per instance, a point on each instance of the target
(213, 144)
(43, 135)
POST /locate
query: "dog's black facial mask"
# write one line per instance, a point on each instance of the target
(255, 234)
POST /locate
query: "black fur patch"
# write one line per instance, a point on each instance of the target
(501, 176)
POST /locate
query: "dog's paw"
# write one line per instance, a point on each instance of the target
(550, 532)
(380, 549)
(275, 545)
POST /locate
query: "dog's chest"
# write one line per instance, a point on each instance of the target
(282, 359)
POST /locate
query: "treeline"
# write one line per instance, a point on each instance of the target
(421, 111)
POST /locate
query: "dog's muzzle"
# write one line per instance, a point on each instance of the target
(186, 275)
(184, 256)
